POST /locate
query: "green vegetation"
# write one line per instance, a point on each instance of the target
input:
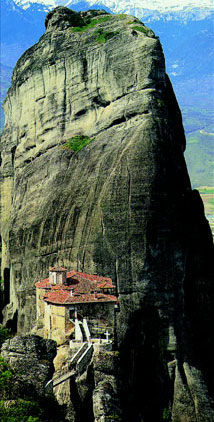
(20, 410)
(91, 24)
(23, 407)
(4, 334)
(192, 141)
(104, 36)
(14, 408)
(6, 375)
(197, 115)
(140, 29)
(206, 190)
(76, 143)
(1, 284)
(197, 119)
(166, 415)
(114, 418)
(199, 158)
(160, 102)
(121, 16)
(131, 22)
(211, 201)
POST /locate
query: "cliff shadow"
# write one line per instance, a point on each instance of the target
(145, 384)
(199, 292)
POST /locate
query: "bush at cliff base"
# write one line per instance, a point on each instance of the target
(14, 410)
(19, 411)
(6, 375)
(24, 409)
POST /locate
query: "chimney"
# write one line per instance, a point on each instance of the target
(57, 275)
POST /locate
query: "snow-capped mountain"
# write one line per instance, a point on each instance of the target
(127, 6)
(25, 4)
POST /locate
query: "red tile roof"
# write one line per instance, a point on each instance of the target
(83, 286)
(92, 277)
(43, 284)
(74, 277)
(63, 297)
(57, 296)
(106, 285)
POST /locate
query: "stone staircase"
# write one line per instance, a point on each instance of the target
(63, 378)
(78, 363)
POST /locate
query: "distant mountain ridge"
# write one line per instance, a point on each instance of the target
(166, 10)
(126, 5)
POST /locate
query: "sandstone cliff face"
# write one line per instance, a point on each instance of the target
(93, 395)
(122, 206)
(31, 357)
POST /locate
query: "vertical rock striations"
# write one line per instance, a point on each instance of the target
(122, 206)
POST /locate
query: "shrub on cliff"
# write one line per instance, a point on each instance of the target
(103, 36)
(4, 334)
(90, 24)
(77, 142)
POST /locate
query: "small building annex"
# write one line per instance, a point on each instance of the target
(65, 297)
